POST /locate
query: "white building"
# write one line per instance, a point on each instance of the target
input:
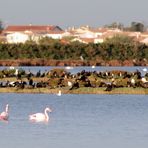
(21, 34)
(17, 37)
(54, 34)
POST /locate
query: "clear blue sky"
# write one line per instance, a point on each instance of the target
(67, 13)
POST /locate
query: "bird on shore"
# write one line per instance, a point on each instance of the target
(59, 93)
(40, 117)
(68, 67)
(144, 80)
(144, 69)
(93, 66)
(5, 115)
(69, 83)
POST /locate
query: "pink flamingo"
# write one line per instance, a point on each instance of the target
(40, 117)
(5, 115)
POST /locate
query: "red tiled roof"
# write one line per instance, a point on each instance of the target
(31, 28)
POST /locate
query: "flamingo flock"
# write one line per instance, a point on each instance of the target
(37, 117)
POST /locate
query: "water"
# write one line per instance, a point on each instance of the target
(77, 121)
(74, 70)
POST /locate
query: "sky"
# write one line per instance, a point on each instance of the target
(69, 13)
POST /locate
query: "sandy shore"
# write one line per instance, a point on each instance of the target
(82, 90)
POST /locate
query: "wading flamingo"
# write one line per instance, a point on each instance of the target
(5, 115)
(40, 117)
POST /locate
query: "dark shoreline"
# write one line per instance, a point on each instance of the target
(50, 62)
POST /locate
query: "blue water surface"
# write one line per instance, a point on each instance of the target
(77, 121)
(74, 70)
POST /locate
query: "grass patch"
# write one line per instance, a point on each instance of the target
(82, 90)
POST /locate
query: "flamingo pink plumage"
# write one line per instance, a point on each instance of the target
(40, 117)
(5, 115)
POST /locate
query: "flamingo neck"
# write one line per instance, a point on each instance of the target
(46, 115)
(7, 108)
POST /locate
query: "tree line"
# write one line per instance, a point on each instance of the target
(133, 27)
(117, 48)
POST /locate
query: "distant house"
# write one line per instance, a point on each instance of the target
(86, 34)
(17, 37)
(84, 40)
(89, 40)
(31, 28)
(20, 34)
(144, 41)
(82, 32)
(67, 34)
(99, 31)
(55, 34)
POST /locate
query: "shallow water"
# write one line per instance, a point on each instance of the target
(74, 70)
(77, 121)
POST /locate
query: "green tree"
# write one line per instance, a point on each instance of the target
(1, 25)
(137, 26)
(119, 47)
(119, 39)
(115, 25)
